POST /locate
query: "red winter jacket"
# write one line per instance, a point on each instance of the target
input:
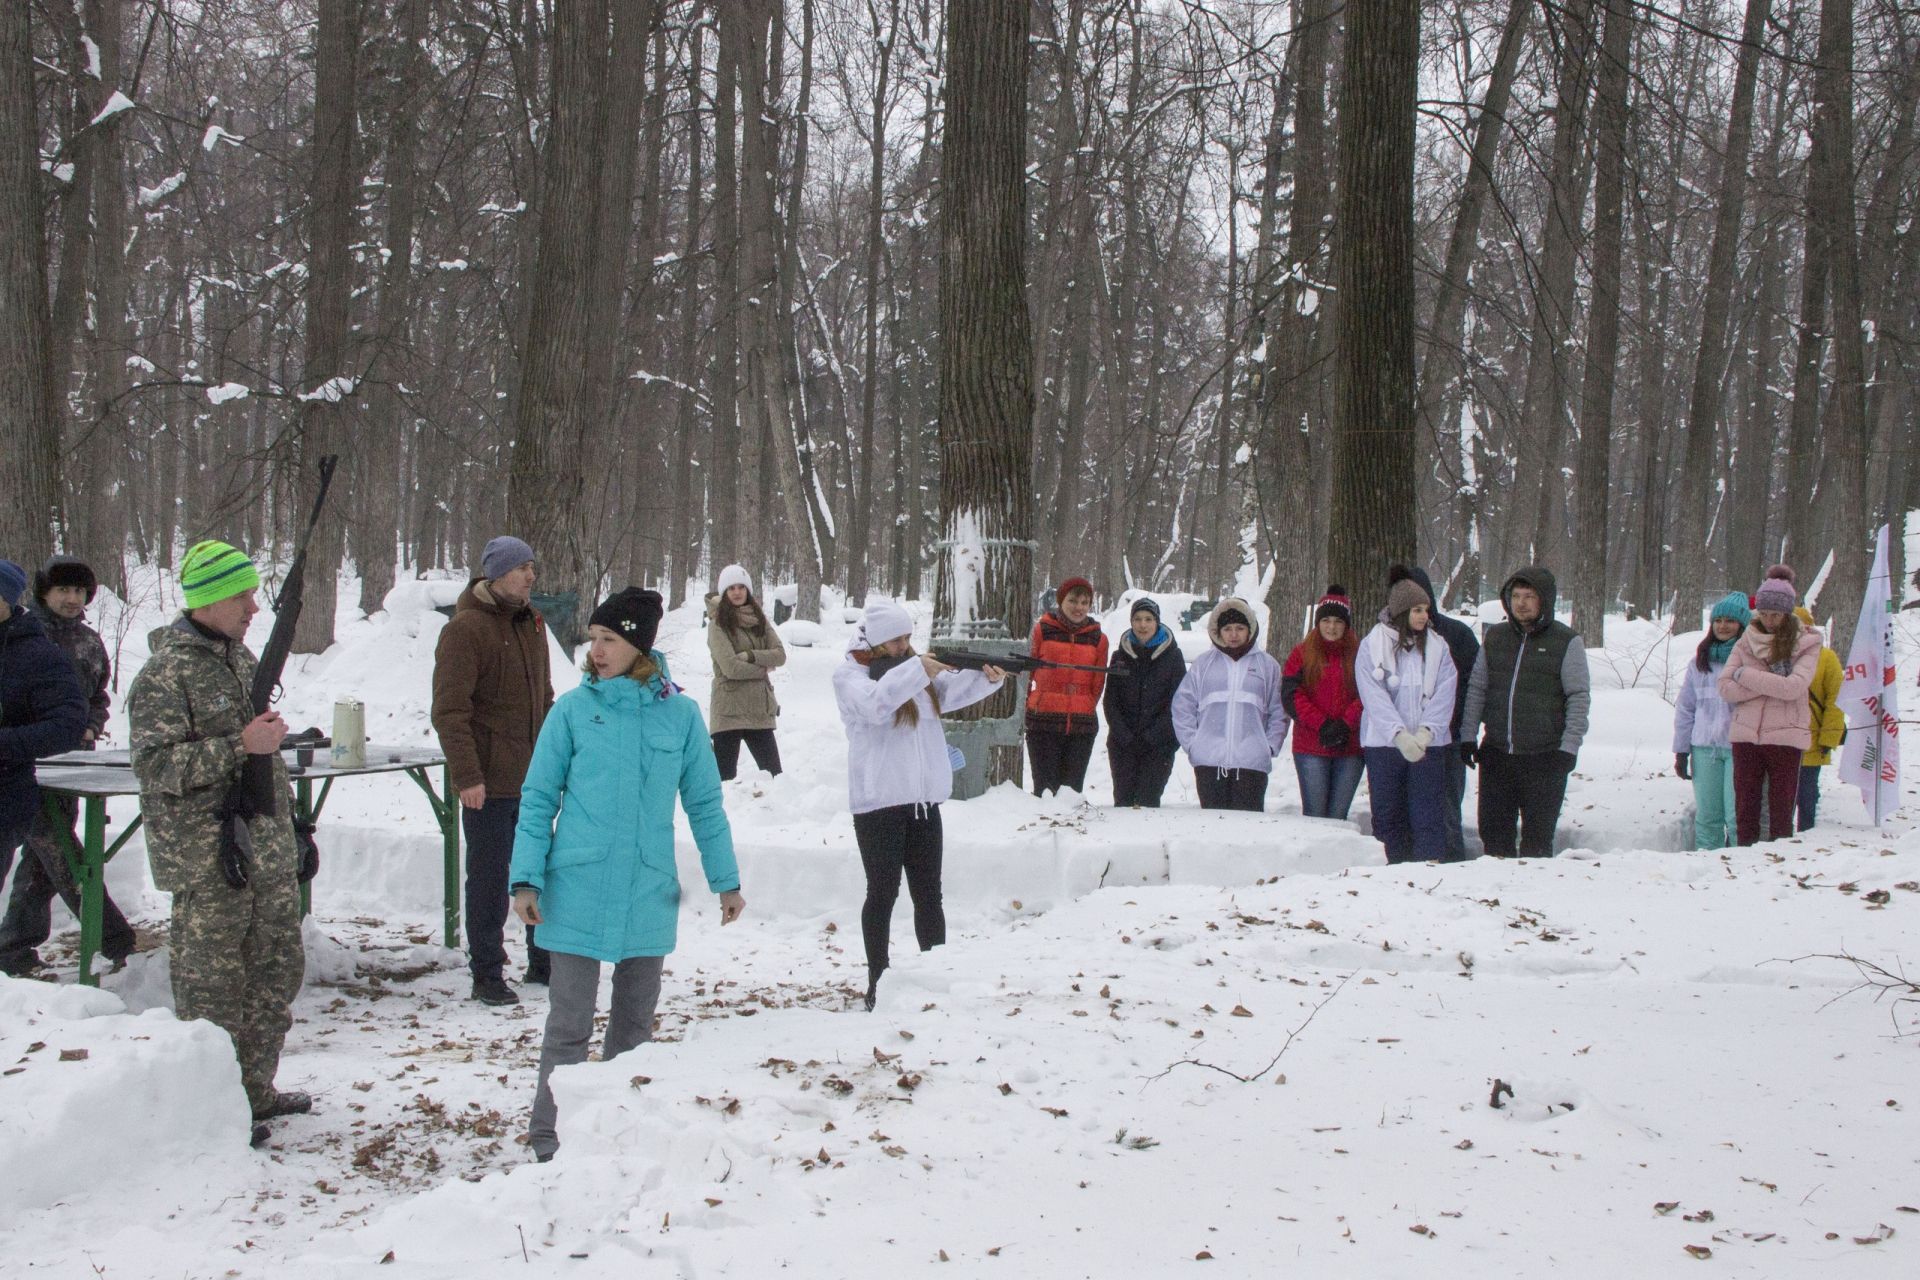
(1332, 698)
(1066, 701)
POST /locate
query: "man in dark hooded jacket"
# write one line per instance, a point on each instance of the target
(42, 712)
(1464, 647)
(62, 590)
(1531, 690)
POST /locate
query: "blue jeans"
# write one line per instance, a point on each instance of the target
(1809, 799)
(1327, 783)
(1408, 802)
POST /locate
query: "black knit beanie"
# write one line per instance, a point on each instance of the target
(633, 615)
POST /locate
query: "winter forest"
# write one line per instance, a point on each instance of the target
(658, 284)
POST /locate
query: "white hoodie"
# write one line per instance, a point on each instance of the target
(891, 764)
(1402, 689)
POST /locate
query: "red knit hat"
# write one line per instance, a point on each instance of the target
(1334, 604)
(1071, 585)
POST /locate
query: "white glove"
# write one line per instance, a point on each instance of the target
(1410, 746)
(1424, 736)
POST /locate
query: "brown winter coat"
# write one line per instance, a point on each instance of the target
(742, 686)
(492, 688)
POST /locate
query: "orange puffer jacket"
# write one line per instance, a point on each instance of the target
(1066, 701)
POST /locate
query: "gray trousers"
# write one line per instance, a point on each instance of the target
(572, 994)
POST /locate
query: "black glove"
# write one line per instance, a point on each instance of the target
(1567, 760)
(309, 850)
(1683, 766)
(1334, 734)
(236, 849)
(1469, 754)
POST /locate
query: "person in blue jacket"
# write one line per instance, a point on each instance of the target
(593, 864)
(42, 710)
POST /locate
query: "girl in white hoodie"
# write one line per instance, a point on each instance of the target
(898, 770)
(1406, 680)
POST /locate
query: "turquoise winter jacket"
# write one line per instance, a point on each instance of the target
(610, 759)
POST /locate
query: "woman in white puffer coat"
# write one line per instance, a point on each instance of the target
(898, 771)
(1406, 680)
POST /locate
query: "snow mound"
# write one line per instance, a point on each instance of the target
(89, 1087)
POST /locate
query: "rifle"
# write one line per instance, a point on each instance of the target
(967, 660)
(253, 796)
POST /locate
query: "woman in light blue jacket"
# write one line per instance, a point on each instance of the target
(1702, 750)
(593, 862)
(1227, 712)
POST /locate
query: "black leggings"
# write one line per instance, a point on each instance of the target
(1230, 788)
(903, 837)
(1059, 759)
(726, 750)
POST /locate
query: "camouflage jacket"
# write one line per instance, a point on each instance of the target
(186, 709)
(88, 654)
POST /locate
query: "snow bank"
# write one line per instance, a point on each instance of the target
(94, 1097)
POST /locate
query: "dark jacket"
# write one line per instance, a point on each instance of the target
(88, 654)
(42, 713)
(492, 688)
(1531, 688)
(1462, 643)
(1140, 705)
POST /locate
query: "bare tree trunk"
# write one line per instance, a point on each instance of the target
(1372, 519)
(986, 355)
(1830, 184)
(98, 511)
(859, 547)
(732, 493)
(1709, 377)
(546, 482)
(30, 464)
(324, 382)
(688, 508)
(1443, 371)
(1590, 577)
(377, 523)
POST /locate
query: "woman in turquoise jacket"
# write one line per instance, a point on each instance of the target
(600, 882)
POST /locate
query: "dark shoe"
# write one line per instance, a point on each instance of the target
(292, 1103)
(494, 991)
(261, 1133)
(543, 1157)
(538, 975)
(20, 965)
(873, 991)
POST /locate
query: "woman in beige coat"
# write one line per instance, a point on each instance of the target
(745, 650)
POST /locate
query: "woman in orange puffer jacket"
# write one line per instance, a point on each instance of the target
(1062, 706)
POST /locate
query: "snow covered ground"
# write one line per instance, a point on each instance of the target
(1692, 1062)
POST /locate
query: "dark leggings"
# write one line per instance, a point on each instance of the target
(726, 751)
(902, 837)
(1230, 788)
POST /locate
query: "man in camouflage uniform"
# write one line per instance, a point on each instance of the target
(237, 960)
(62, 590)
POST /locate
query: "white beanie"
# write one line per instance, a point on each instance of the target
(733, 576)
(883, 621)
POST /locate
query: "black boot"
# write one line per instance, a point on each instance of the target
(873, 987)
(291, 1103)
(494, 991)
(261, 1132)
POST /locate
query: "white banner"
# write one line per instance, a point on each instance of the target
(1870, 694)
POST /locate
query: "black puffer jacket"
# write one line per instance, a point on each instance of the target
(1139, 705)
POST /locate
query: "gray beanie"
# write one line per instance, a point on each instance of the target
(502, 556)
(1404, 595)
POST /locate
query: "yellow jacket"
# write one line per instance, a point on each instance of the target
(1829, 721)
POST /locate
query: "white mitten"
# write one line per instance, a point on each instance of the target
(1410, 747)
(1424, 736)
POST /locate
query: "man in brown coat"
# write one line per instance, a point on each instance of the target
(492, 688)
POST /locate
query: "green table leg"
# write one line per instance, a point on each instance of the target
(87, 859)
(446, 811)
(307, 809)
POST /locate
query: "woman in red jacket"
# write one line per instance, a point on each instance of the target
(1062, 715)
(1318, 691)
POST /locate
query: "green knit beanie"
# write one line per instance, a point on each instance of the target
(214, 571)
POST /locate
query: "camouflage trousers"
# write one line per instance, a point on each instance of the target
(237, 962)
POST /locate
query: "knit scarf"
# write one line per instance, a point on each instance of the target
(1719, 651)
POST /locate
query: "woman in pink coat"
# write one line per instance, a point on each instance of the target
(1765, 680)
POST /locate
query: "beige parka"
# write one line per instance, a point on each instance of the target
(742, 665)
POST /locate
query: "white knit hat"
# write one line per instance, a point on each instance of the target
(884, 620)
(733, 576)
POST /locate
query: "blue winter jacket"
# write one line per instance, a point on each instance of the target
(42, 713)
(610, 759)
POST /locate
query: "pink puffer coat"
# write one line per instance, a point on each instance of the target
(1770, 709)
